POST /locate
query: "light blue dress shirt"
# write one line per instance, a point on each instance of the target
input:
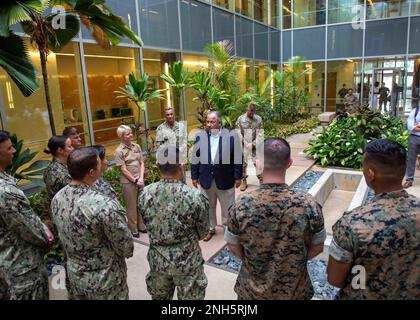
(411, 122)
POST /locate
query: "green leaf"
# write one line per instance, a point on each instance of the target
(14, 60)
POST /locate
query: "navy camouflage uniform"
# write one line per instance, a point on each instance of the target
(56, 177)
(94, 234)
(23, 242)
(176, 218)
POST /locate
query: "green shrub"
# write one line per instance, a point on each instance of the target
(282, 130)
(342, 142)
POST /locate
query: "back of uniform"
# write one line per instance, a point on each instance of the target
(56, 177)
(383, 237)
(275, 226)
(176, 217)
(96, 239)
(22, 244)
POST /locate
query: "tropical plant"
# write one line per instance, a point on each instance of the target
(284, 130)
(342, 142)
(178, 79)
(138, 92)
(291, 91)
(20, 168)
(49, 30)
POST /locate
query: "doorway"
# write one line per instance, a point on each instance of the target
(331, 90)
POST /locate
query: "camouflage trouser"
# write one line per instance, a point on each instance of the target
(116, 293)
(161, 286)
(32, 285)
(249, 154)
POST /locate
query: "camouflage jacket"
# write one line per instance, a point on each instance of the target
(384, 238)
(94, 234)
(275, 225)
(22, 237)
(105, 188)
(56, 177)
(255, 127)
(175, 135)
(176, 218)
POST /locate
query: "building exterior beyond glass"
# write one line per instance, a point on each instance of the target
(345, 42)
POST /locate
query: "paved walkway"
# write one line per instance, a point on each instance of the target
(221, 282)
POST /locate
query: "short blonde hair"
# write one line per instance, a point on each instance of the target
(122, 129)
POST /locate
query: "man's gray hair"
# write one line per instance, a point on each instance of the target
(217, 114)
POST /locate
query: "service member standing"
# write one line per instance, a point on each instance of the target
(24, 239)
(275, 230)
(129, 159)
(176, 217)
(172, 132)
(380, 238)
(56, 175)
(93, 231)
(250, 126)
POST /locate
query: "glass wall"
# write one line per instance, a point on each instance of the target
(391, 72)
(244, 38)
(154, 63)
(228, 4)
(193, 63)
(28, 116)
(344, 10)
(274, 13)
(308, 13)
(315, 82)
(287, 14)
(261, 10)
(244, 74)
(223, 26)
(341, 76)
(196, 25)
(244, 7)
(107, 71)
(379, 9)
(159, 24)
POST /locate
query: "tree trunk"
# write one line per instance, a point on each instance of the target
(47, 92)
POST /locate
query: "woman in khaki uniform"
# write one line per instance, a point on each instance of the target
(129, 158)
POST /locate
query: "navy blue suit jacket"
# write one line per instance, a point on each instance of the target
(228, 162)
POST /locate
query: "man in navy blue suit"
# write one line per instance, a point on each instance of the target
(216, 166)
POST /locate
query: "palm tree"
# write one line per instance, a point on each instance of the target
(138, 92)
(178, 79)
(38, 21)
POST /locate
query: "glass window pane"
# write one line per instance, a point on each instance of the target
(379, 9)
(341, 76)
(309, 43)
(344, 10)
(308, 13)
(344, 41)
(124, 9)
(159, 23)
(386, 37)
(287, 14)
(287, 45)
(223, 26)
(228, 4)
(154, 63)
(28, 116)
(415, 7)
(193, 63)
(414, 35)
(261, 41)
(275, 45)
(244, 38)
(244, 7)
(196, 25)
(274, 13)
(107, 71)
(261, 10)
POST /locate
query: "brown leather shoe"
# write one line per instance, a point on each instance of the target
(407, 184)
(209, 235)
